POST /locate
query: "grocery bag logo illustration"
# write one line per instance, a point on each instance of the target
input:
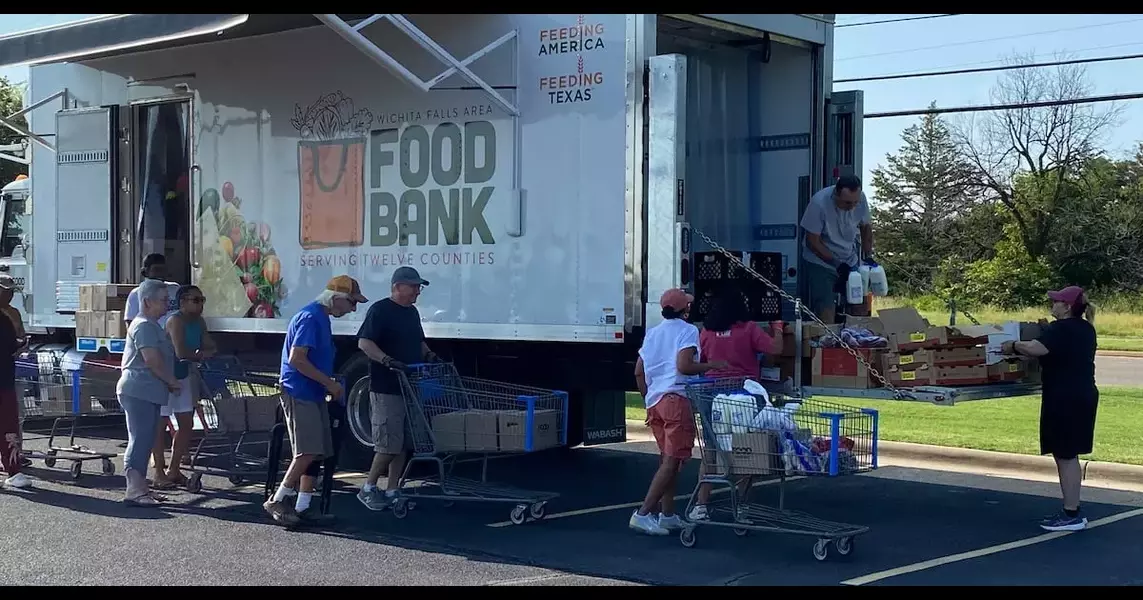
(331, 169)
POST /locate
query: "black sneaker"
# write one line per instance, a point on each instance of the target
(314, 517)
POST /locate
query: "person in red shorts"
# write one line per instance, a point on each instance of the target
(670, 353)
(729, 334)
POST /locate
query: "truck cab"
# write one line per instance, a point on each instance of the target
(15, 238)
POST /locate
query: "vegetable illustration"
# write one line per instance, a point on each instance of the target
(209, 200)
(247, 245)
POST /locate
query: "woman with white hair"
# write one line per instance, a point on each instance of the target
(145, 384)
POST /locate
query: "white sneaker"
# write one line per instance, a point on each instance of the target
(18, 481)
(698, 513)
(647, 523)
(671, 523)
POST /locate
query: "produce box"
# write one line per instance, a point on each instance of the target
(960, 357)
(1011, 370)
(837, 368)
(951, 376)
(906, 330)
(104, 296)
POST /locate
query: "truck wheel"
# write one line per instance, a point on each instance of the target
(357, 435)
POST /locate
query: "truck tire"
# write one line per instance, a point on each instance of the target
(357, 444)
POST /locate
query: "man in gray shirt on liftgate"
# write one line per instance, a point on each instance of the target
(831, 224)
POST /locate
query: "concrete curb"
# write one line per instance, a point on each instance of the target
(1119, 353)
(1003, 461)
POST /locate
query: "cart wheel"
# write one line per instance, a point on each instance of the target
(235, 479)
(843, 545)
(738, 531)
(401, 508)
(108, 467)
(49, 461)
(537, 510)
(448, 503)
(517, 514)
(76, 469)
(821, 549)
(687, 537)
(194, 483)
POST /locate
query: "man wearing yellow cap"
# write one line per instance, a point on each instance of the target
(306, 378)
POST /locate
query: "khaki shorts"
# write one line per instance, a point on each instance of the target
(308, 426)
(387, 414)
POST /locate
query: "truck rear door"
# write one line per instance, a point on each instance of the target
(86, 183)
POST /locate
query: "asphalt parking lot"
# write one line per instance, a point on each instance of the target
(926, 528)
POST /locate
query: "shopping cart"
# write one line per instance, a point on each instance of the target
(66, 397)
(235, 404)
(449, 415)
(743, 437)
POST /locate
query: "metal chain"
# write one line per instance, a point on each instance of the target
(876, 373)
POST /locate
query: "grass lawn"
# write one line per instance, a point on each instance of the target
(1118, 331)
(1005, 425)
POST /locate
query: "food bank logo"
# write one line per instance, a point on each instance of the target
(446, 172)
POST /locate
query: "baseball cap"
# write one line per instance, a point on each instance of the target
(7, 282)
(1069, 295)
(408, 275)
(676, 298)
(346, 285)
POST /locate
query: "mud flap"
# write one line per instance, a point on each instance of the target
(604, 418)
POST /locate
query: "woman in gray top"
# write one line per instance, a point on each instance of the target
(145, 383)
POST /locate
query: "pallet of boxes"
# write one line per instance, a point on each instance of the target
(100, 313)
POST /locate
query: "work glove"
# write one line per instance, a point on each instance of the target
(843, 271)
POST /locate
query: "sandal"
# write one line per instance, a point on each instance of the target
(141, 500)
(157, 497)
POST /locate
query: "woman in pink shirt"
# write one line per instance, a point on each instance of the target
(729, 335)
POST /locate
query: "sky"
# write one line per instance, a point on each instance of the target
(961, 41)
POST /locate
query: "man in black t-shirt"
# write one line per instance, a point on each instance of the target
(10, 344)
(392, 337)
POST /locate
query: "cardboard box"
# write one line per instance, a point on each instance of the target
(1011, 370)
(907, 330)
(778, 369)
(1032, 372)
(959, 357)
(104, 296)
(89, 324)
(480, 431)
(976, 375)
(837, 368)
(448, 431)
(910, 375)
(907, 361)
(116, 327)
(513, 436)
(1029, 331)
(752, 453)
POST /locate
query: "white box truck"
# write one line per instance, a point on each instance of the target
(542, 171)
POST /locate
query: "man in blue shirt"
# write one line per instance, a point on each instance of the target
(306, 378)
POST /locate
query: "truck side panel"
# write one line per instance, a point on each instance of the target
(316, 161)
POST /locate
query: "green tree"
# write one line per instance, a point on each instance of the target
(921, 206)
(11, 101)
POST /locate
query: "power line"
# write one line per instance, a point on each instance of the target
(895, 20)
(1075, 61)
(1040, 104)
(996, 39)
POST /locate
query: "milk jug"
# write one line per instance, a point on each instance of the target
(863, 268)
(854, 291)
(878, 282)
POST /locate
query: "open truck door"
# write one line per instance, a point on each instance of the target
(844, 133)
(87, 154)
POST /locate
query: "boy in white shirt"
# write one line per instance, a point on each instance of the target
(670, 354)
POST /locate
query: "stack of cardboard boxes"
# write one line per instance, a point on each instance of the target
(917, 353)
(491, 431)
(100, 313)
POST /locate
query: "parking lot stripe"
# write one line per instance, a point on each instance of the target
(602, 509)
(953, 558)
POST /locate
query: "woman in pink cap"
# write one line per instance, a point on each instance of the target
(1066, 350)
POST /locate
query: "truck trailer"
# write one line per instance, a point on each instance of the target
(545, 172)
